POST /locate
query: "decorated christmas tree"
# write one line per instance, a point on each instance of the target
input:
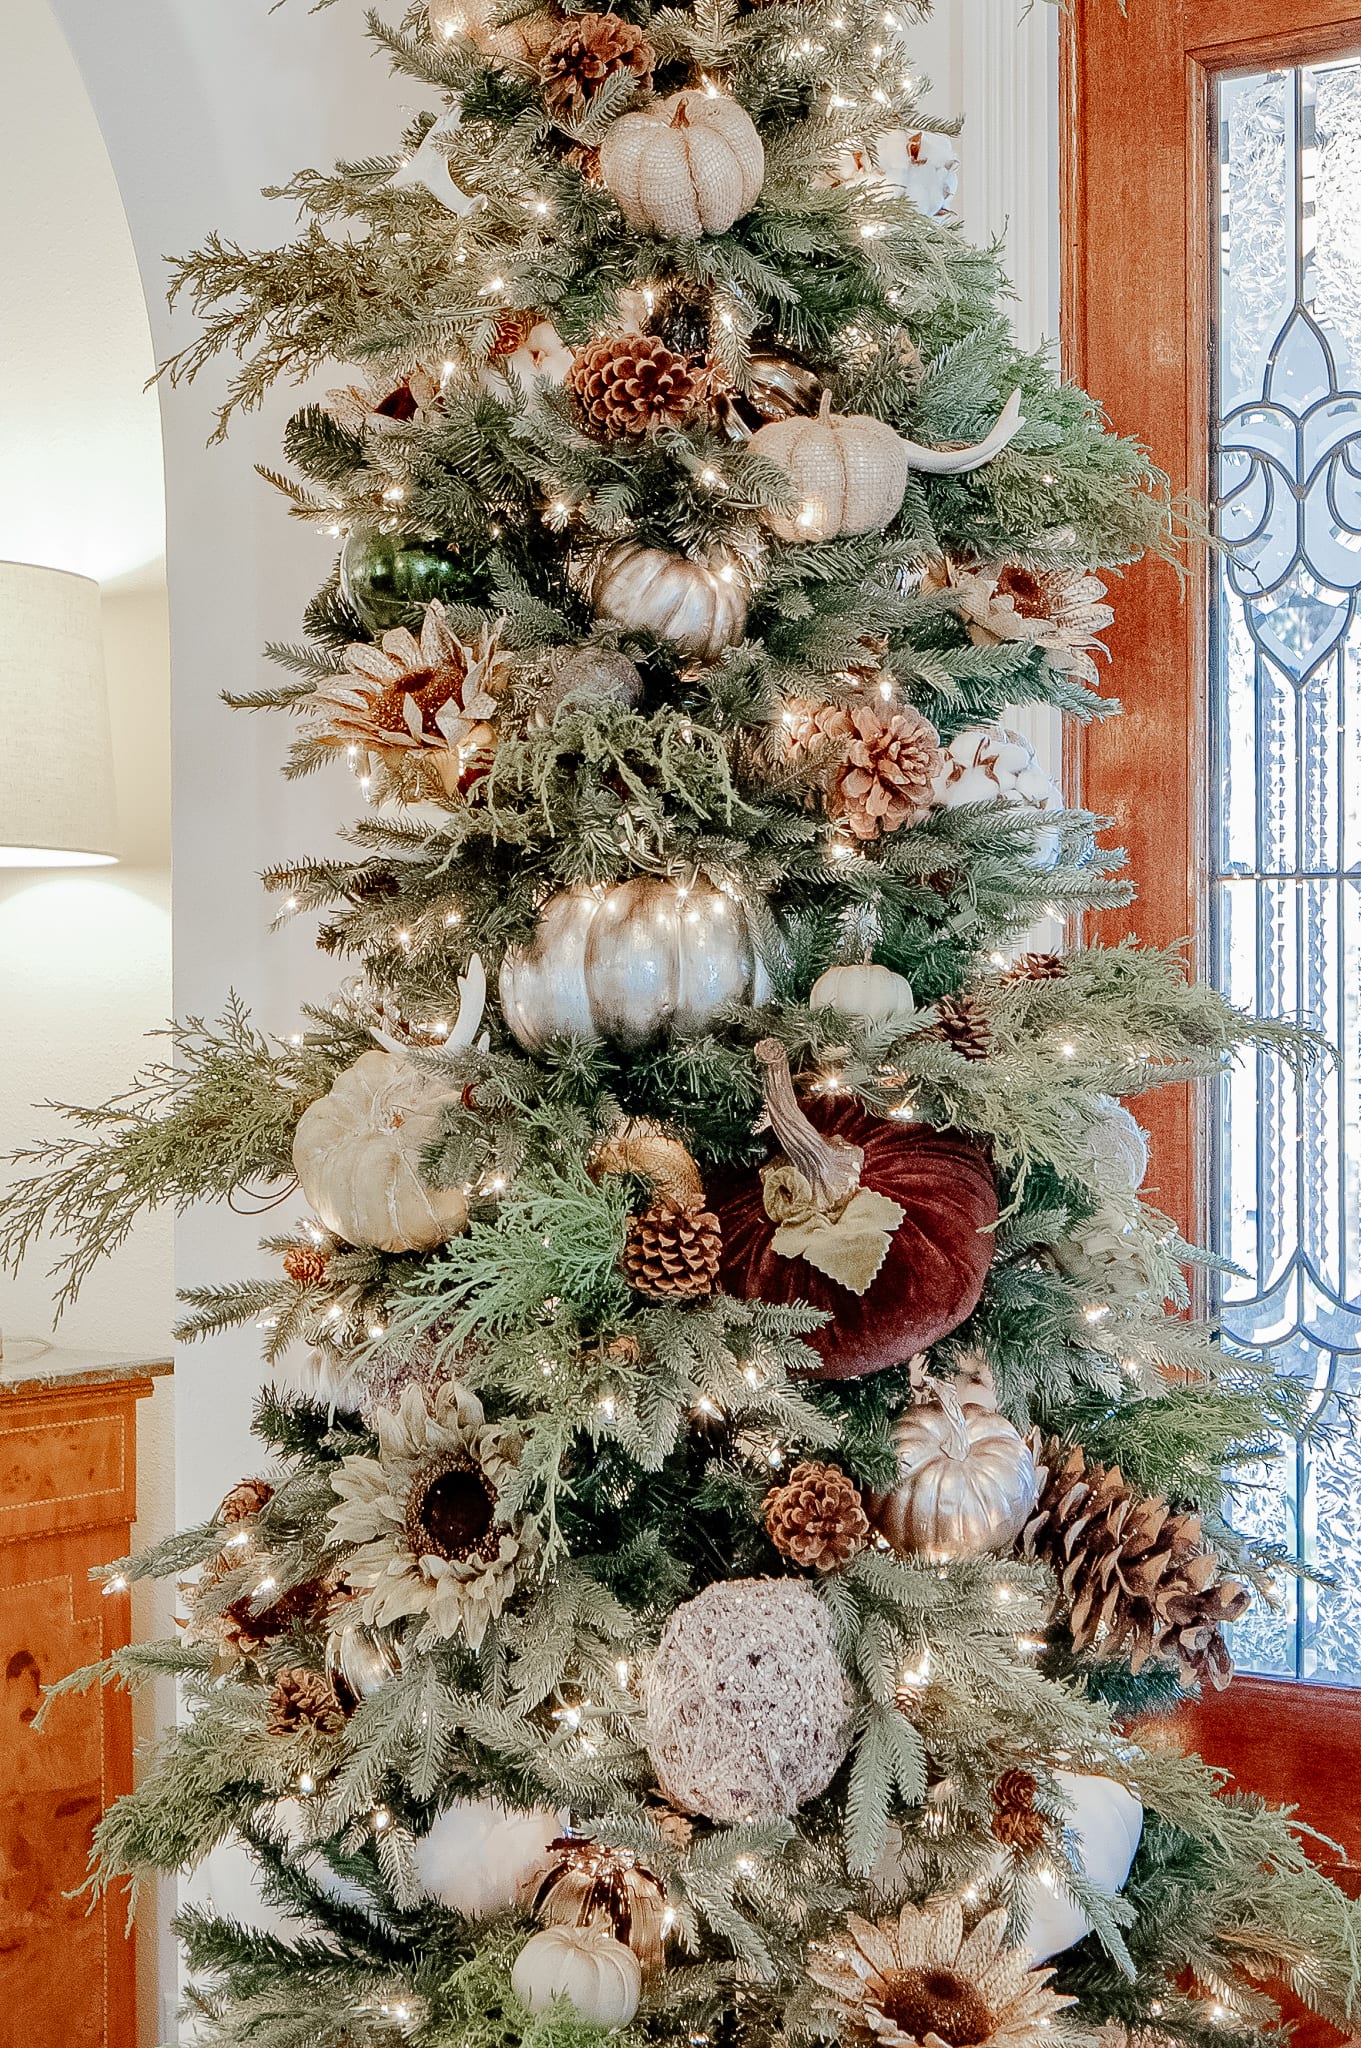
(744, 1491)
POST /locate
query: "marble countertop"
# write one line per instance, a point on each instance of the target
(29, 1365)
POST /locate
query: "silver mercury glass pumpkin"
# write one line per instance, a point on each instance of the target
(627, 962)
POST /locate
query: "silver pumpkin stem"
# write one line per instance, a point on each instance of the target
(830, 1166)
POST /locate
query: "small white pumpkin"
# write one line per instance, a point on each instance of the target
(357, 1154)
(650, 589)
(1104, 1821)
(874, 994)
(689, 166)
(848, 469)
(599, 1977)
(966, 1482)
(479, 1856)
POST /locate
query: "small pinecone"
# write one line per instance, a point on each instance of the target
(301, 1703)
(1037, 967)
(817, 1517)
(672, 1250)
(962, 1022)
(1136, 1578)
(245, 1501)
(512, 330)
(1015, 1822)
(586, 51)
(305, 1265)
(586, 161)
(628, 385)
(882, 765)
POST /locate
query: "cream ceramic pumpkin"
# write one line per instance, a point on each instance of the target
(650, 589)
(849, 471)
(1104, 1821)
(357, 1154)
(689, 166)
(624, 963)
(599, 1977)
(874, 994)
(966, 1483)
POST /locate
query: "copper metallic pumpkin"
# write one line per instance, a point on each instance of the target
(589, 1884)
(966, 1483)
(937, 1258)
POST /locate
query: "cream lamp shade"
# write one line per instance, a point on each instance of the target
(56, 759)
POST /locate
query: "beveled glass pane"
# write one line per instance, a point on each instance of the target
(1286, 782)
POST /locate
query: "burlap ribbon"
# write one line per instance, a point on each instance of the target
(848, 1243)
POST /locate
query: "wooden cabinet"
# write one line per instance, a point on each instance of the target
(68, 1468)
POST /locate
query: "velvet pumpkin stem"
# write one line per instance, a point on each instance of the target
(642, 1147)
(830, 1165)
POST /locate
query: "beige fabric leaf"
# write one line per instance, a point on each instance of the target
(849, 1246)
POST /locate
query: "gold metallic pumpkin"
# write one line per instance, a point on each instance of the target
(655, 591)
(587, 1884)
(966, 1483)
(625, 963)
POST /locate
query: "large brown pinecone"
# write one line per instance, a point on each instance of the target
(962, 1021)
(1136, 1577)
(302, 1703)
(817, 1517)
(673, 1249)
(631, 383)
(245, 1501)
(588, 49)
(1015, 1822)
(881, 764)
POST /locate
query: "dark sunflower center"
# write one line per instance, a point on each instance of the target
(429, 689)
(450, 1515)
(1024, 589)
(936, 2001)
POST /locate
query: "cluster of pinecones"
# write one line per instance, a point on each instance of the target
(1136, 1577)
(302, 1702)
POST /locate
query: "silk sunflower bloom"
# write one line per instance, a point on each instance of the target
(431, 1537)
(920, 1979)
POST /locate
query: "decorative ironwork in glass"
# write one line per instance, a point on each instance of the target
(1286, 762)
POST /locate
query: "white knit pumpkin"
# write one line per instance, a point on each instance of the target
(357, 1154)
(650, 589)
(874, 994)
(599, 1977)
(689, 166)
(849, 471)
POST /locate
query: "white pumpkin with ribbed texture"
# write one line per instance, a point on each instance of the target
(598, 1976)
(849, 471)
(653, 590)
(357, 1154)
(689, 166)
(966, 1483)
(873, 994)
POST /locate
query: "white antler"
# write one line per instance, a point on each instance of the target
(958, 461)
(472, 1001)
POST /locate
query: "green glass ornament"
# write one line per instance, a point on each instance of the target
(388, 582)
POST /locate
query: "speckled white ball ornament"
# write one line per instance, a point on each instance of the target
(986, 764)
(1117, 1147)
(748, 1708)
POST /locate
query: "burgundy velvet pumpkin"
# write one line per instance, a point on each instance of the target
(938, 1256)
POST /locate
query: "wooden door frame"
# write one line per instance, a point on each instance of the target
(1143, 353)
